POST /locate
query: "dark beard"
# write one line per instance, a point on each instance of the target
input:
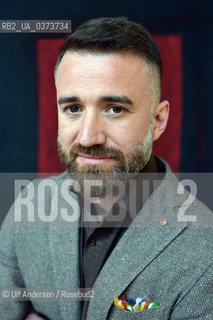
(121, 172)
(134, 163)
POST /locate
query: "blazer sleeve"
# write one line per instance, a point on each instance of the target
(197, 301)
(10, 275)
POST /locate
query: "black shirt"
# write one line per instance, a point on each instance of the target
(99, 239)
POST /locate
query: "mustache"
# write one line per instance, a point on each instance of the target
(96, 150)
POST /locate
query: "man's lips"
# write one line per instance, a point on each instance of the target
(91, 159)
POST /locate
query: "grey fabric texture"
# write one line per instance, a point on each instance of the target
(171, 264)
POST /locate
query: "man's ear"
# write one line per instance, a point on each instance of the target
(161, 116)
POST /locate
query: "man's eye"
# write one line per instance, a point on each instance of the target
(116, 109)
(72, 109)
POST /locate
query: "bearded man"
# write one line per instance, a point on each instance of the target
(127, 242)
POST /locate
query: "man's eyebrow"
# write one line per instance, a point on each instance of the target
(69, 99)
(113, 98)
(120, 99)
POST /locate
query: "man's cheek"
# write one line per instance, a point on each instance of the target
(67, 139)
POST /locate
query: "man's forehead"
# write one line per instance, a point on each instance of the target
(101, 71)
(91, 76)
(97, 60)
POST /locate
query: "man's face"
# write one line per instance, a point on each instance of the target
(104, 112)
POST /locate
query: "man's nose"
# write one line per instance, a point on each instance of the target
(91, 131)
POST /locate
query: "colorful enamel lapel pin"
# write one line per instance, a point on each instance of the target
(134, 305)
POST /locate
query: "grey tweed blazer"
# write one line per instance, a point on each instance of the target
(171, 264)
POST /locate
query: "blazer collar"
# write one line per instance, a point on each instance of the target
(143, 241)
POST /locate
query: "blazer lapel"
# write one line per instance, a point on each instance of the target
(64, 244)
(140, 244)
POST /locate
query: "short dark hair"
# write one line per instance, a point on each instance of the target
(108, 35)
